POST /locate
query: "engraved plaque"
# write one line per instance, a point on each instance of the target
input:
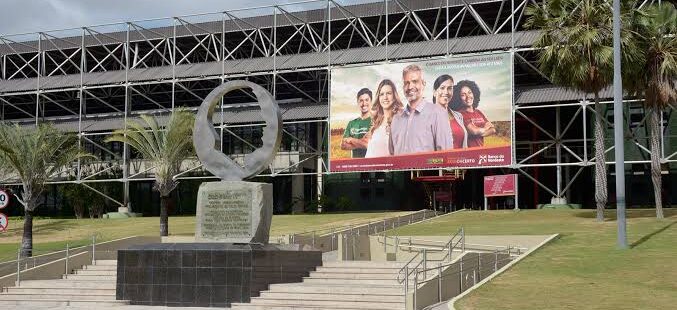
(227, 213)
(234, 211)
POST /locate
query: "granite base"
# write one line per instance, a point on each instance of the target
(207, 274)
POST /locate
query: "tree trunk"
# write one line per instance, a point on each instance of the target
(654, 140)
(79, 211)
(164, 217)
(601, 194)
(27, 241)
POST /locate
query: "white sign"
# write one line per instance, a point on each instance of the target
(3, 222)
(4, 199)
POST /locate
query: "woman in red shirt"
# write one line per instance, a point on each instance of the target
(443, 91)
(465, 100)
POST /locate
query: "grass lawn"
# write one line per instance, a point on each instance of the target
(53, 234)
(580, 270)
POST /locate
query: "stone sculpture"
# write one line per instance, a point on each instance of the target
(233, 210)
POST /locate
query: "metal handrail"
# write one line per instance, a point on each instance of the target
(338, 229)
(477, 272)
(456, 272)
(449, 246)
(68, 253)
(405, 272)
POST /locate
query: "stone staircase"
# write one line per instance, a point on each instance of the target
(91, 287)
(337, 285)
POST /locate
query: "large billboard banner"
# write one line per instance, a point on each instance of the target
(447, 113)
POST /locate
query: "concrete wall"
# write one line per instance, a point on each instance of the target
(353, 247)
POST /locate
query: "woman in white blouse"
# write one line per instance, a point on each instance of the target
(386, 105)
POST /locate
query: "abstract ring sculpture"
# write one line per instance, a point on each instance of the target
(205, 136)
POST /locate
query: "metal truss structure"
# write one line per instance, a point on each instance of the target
(93, 80)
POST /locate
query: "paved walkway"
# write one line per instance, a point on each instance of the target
(128, 307)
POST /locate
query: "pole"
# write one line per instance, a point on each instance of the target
(619, 151)
(517, 195)
(18, 268)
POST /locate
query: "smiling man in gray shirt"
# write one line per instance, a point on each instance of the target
(422, 126)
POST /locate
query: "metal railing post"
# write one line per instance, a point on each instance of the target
(474, 277)
(385, 243)
(354, 245)
(415, 287)
(93, 249)
(496, 261)
(463, 241)
(479, 265)
(313, 239)
(397, 245)
(451, 249)
(406, 284)
(65, 276)
(384, 225)
(460, 276)
(18, 268)
(425, 264)
(439, 282)
(345, 246)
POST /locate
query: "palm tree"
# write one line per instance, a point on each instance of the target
(165, 149)
(655, 77)
(575, 50)
(34, 154)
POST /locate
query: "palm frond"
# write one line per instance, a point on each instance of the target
(35, 154)
(164, 147)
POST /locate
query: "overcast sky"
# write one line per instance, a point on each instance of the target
(21, 16)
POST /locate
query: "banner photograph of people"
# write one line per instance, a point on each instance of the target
(453, 112)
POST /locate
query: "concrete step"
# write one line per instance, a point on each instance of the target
(367, 296)
(105, 284)
(88, 272)
(365, 264)
(348, 275)
(382, 305)
(100, 267)
(336, 289)
(55, 296)
(237, 306)
(89, 277)
(357, 270)
(106, 263)
(344, 281)
(60, 290)
(92, 304)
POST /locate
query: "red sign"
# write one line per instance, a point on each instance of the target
(4, 199)
(3, 222)
(500, 185)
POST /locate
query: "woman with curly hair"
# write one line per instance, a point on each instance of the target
(386, 105)
(466, 100)
(443, 92)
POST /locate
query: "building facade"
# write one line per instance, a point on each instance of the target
(95, 79)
